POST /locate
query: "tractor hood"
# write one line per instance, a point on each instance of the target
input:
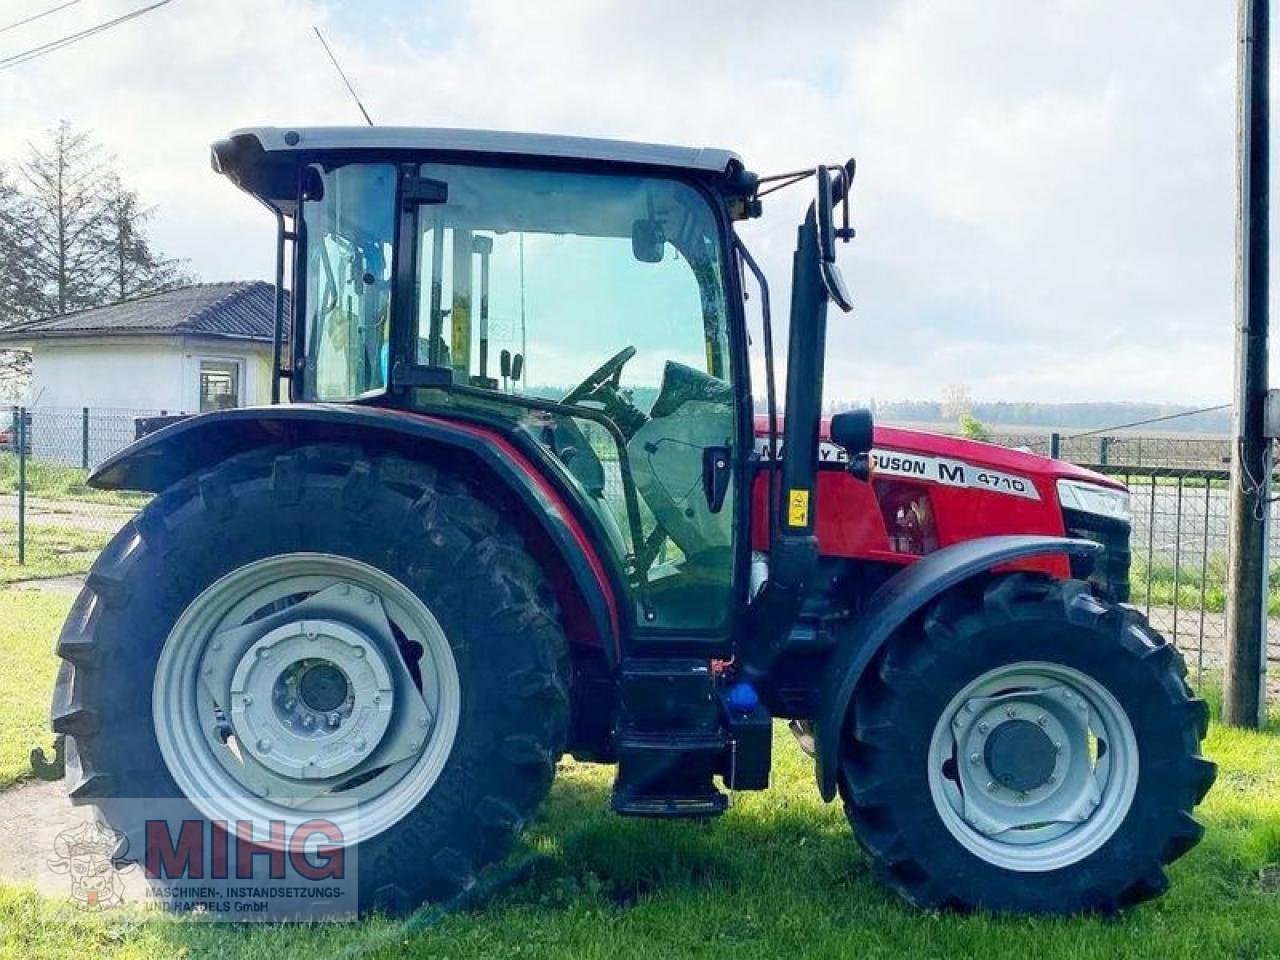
(949, 447)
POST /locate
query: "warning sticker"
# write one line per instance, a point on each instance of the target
(797, 508)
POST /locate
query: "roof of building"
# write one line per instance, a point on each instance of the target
(242, 310)
(706, 159)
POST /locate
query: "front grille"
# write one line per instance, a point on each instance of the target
(1109, 572)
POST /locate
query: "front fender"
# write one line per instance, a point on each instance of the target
(196, 443)
(896, 600)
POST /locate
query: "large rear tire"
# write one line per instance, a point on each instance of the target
(371, 559)
(1025, 748)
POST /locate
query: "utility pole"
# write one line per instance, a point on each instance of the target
(1251, 455)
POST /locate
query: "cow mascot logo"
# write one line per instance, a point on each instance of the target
(93, 855)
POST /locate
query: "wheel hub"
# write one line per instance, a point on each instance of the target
(323, 686)
(311, 699)
(1020, 755)
(1032, 765)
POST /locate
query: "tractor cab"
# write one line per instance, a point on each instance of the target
(581, 292)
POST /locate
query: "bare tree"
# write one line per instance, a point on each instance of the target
(956, 401)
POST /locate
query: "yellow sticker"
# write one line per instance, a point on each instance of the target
(797, 508)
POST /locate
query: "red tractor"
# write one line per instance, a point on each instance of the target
(401, 596)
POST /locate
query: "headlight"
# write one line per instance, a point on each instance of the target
(1091, 498)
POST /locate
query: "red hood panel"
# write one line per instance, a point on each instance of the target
(959, 448)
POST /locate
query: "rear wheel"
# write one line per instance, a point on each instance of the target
(321, 632)
(1026, 748)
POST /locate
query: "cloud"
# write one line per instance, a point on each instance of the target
(1045, 193)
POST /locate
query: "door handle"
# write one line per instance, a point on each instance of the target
(716, 474)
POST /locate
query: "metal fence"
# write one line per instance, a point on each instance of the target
(1180, 489)
(51, 522)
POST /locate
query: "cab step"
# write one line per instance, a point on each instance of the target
(675, 733)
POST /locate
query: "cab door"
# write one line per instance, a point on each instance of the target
(593, 309)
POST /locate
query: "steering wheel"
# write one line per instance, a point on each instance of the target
(610, 370)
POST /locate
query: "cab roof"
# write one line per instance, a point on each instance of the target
(263, 160)
(542, 145)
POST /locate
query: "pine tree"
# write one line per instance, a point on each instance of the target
(19, 289)
(63, 186)
(72, 236)
(135, 268)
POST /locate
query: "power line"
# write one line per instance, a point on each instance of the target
(37, 16)
(338, 67)
(52, 45)
(1143, 423)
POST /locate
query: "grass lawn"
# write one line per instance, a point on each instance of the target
(56, 482)
(53, 550)
(29, 622)
(778, 876)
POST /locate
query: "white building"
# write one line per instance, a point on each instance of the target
(189, 350)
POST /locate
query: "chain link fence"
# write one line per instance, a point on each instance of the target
(1180, 489)
(51, 522)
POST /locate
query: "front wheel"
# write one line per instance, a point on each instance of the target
(1026, 748)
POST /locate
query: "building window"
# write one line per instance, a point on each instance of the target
(219, 385)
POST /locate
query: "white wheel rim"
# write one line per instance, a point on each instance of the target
(1055, 801)
(375, 761)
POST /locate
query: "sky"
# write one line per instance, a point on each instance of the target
(1045, 191)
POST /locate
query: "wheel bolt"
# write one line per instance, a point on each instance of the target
(360, 743)
(264, 745)
(333, 719)
(359, 651)
(983, 728)
(991, 786)
(1042, 719)
(368, 598)
(246, 699)
(958, 722)
(974, 759)
(1011, 712)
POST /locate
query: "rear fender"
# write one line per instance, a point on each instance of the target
(189, 446)
(897, 599)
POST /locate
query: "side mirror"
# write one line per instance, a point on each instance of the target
(517, 367)
(832, 279)
(648, 241)
(504, 363)
(854, 432)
